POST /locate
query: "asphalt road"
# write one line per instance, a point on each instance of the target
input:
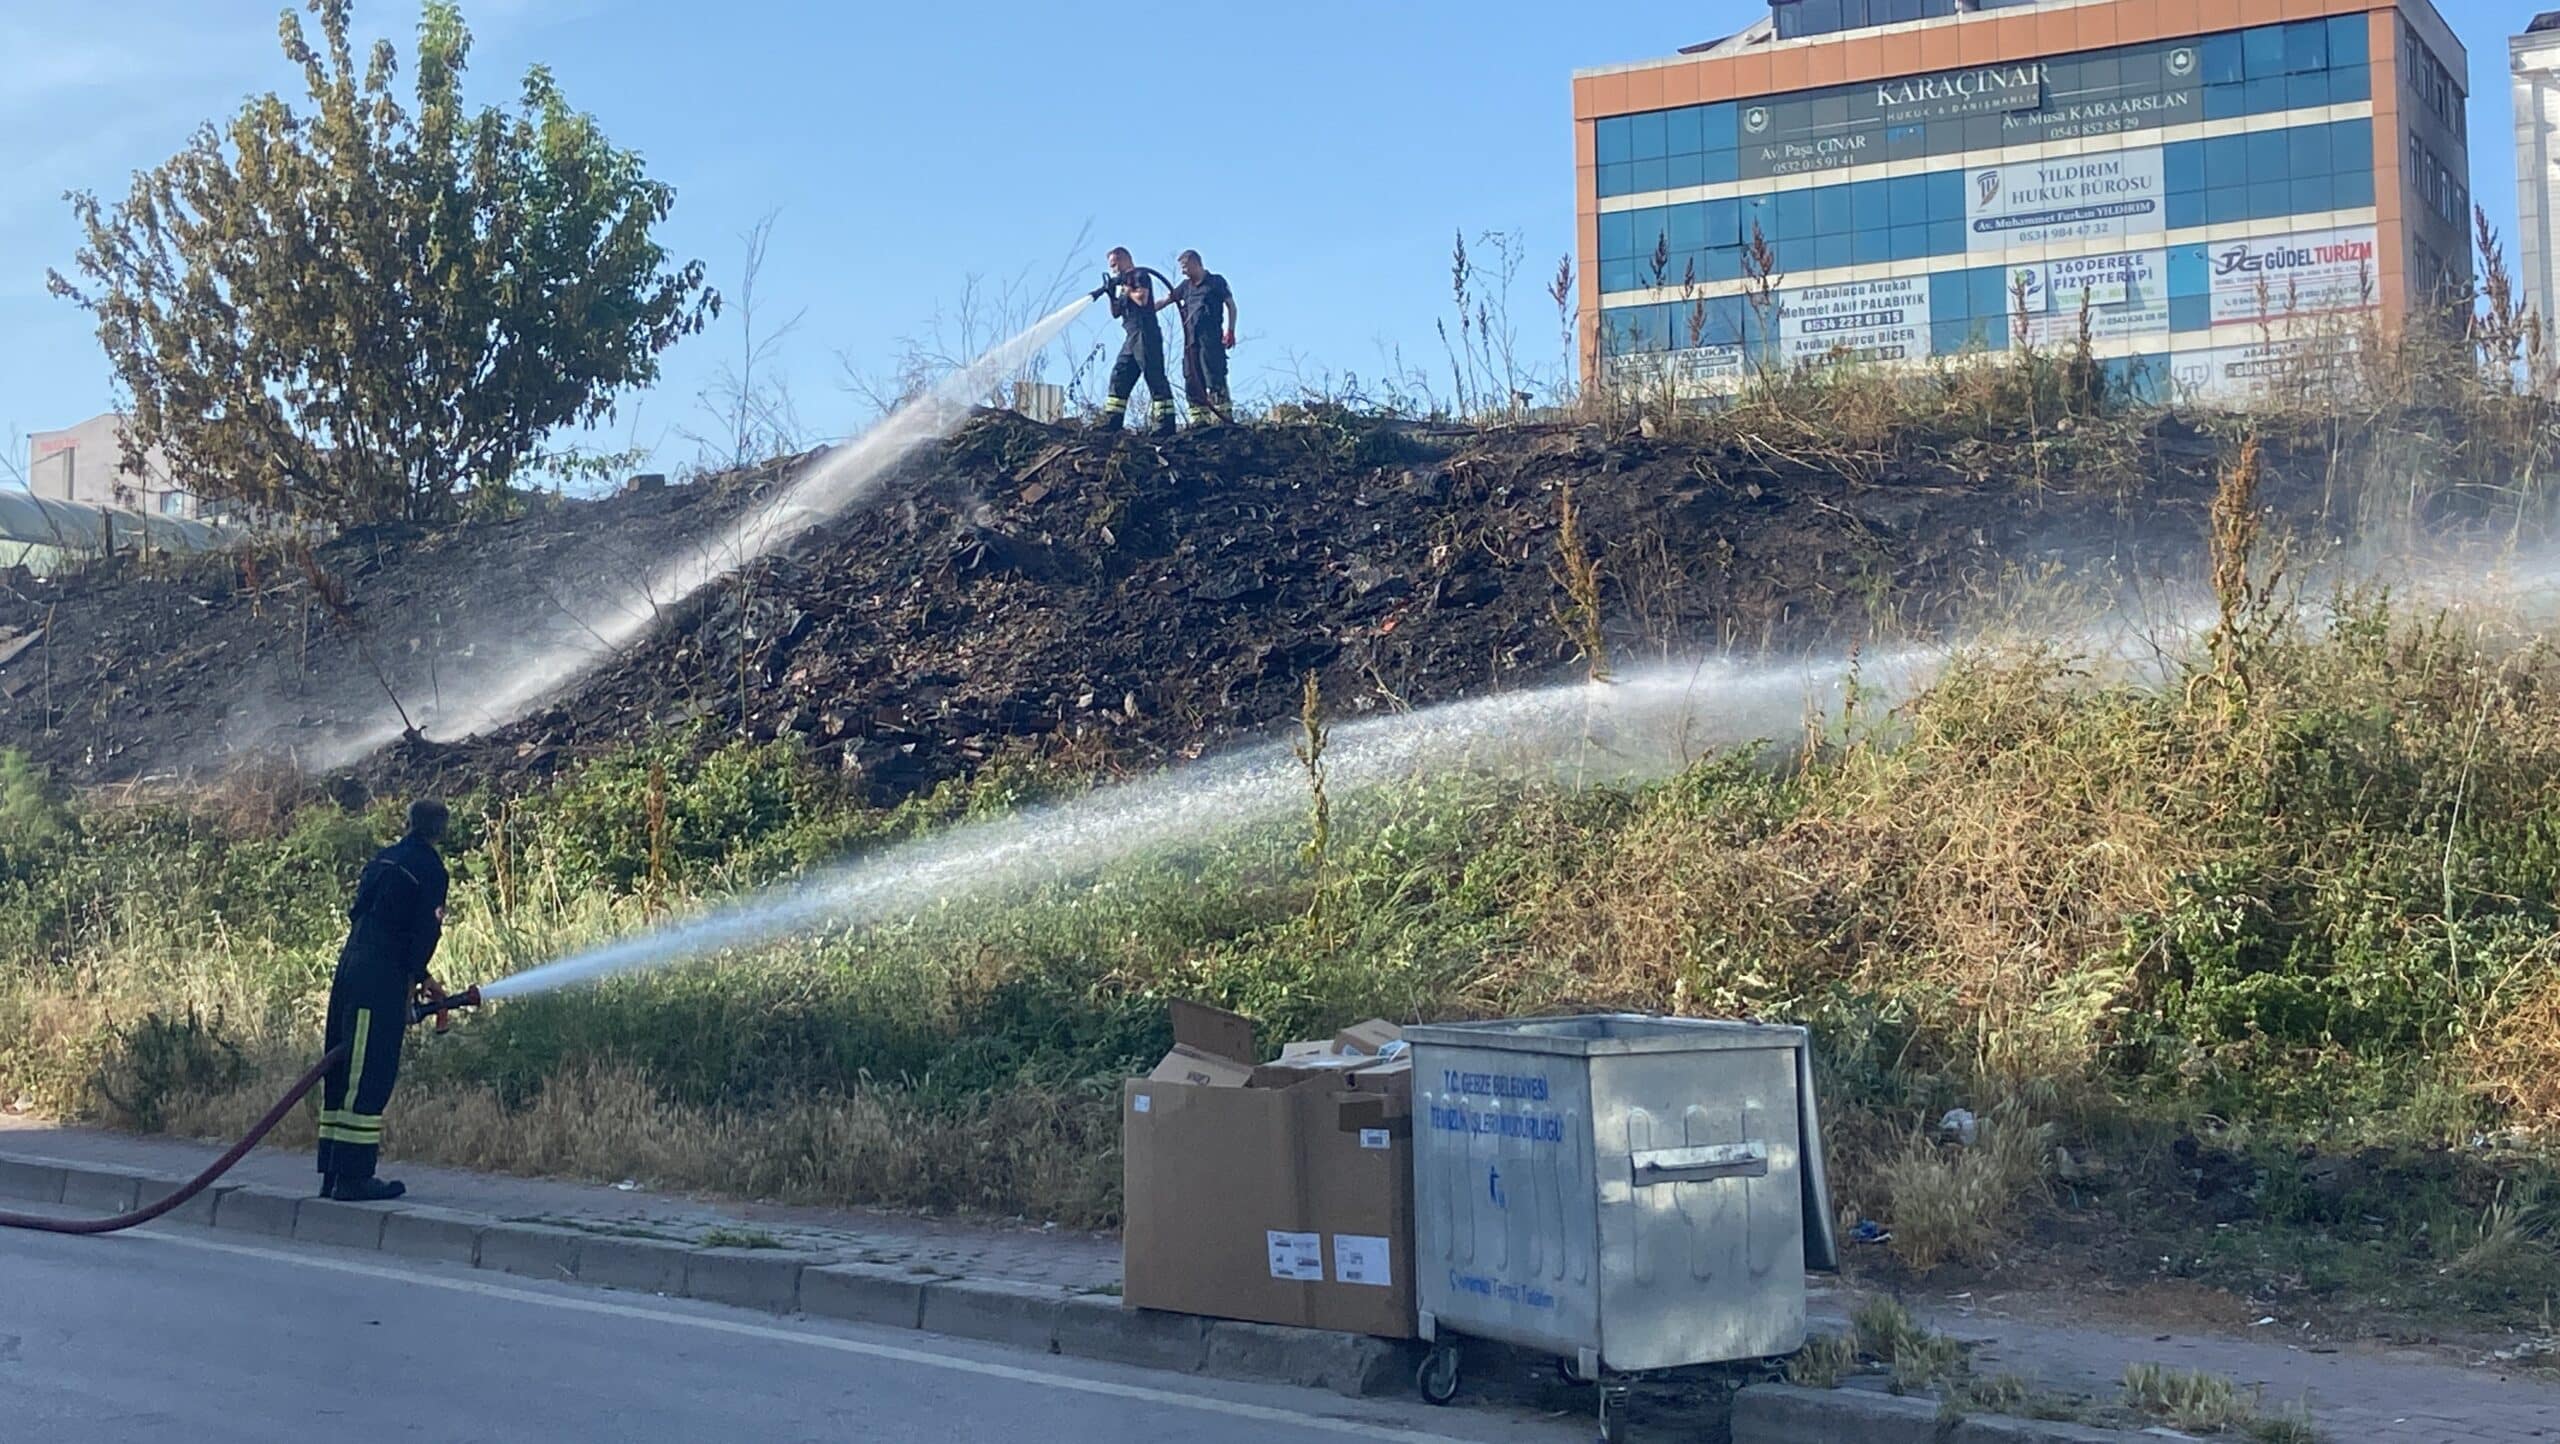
(182, 1334)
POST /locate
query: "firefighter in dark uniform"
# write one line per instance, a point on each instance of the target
(394, 925)
(1208, 311)
(1134, 302)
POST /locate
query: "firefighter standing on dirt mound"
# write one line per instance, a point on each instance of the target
(1134, 302)
(1208, 311)
(393, 927)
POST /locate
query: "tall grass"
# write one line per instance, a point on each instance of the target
(2307, 905)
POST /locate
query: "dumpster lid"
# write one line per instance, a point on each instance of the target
(1594, 1034)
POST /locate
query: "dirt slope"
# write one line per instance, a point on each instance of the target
(1036, 587)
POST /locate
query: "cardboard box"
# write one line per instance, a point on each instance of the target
(1186, 1064)
(1214, 1031)
(1279, 1205)
(1294, 1072)
(1367, 1039)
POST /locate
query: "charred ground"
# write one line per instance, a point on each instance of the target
(1024, 588)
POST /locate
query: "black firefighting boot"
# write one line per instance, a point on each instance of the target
(366, 1190)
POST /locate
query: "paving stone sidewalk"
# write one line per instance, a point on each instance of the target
(2358, 1395)
(1028, 1253)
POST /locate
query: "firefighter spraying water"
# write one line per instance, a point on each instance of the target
(393, 927)
(382, 989)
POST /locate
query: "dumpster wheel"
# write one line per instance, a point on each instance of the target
(1437, 1379)
(1613, 1414)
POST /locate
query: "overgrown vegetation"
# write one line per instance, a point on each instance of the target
(2302, 928)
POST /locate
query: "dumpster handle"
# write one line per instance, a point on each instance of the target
(1700, 1164)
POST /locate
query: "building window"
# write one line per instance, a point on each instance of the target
(2295, 66)
(2261, 175)
(173, 503)
(2438, 188)
(2430, 82)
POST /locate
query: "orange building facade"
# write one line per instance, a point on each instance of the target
(2208, 187)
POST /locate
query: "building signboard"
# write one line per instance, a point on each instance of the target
(2306, 274)
(2068, 198)
(1857, 320)
(2127, 295)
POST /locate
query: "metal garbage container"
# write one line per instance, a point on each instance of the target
(1622, 1191)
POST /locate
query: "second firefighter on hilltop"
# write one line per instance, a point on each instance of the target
(1208, 311)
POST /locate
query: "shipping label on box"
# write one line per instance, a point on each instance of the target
(1363, 1259)
(1298, 1257)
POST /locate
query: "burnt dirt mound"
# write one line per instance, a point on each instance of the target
(1027, 588)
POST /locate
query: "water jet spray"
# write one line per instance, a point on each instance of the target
(843, 478)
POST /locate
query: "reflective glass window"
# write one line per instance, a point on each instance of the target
(2262, 51)
(1613, 140)
(1649, 135)
(2306, 46)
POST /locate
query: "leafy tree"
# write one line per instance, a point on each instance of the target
(368, 312)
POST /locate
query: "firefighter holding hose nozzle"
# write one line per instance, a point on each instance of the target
(393, 927)
(1134, 303)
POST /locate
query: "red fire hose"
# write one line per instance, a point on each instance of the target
(441, 1009)
(201, 1181)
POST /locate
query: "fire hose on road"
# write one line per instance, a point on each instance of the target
(441, 1010)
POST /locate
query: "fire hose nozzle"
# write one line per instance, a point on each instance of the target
(442, 1009)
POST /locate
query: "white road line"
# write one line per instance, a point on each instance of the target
(1260, 1413)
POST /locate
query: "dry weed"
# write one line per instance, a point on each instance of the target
(1823, 1362)
(1052, 1155)
(1960, 1201)
(2208, 1403)
(2513, 1058)
(1973, 868)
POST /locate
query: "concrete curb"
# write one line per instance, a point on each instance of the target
(532, 1250)
(33, 1182)
(864, 1294)
(1000, 1312)
(438, 1234)
(1784, 1414)
(257, 1210)
(339, 1225)
(749, 1278)
(1048, 1320)
(1355, 1365)
(200, 1209)
(106, 1190)
(642, 1265)
(1090, 1326)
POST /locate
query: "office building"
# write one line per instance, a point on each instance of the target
(2227, 188)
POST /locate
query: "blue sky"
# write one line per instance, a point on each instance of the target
(1319, 153)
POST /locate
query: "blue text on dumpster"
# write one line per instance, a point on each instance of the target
(1460, 1115)
(1486, 1287)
